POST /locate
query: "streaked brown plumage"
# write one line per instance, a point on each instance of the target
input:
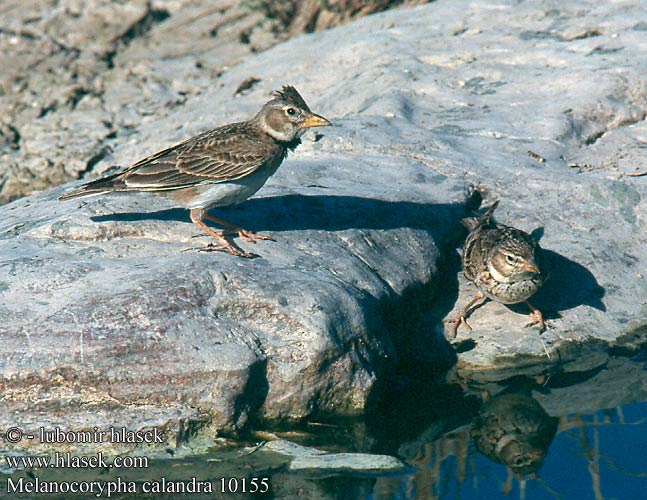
(504, 263)
(219, 167)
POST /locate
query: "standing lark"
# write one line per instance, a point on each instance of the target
(220, 167)
(504, 263)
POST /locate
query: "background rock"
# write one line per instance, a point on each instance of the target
(366, 221)
(76, 74)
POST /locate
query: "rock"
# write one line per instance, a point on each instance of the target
(108, 292)
(339, 462)
(81, 132)
(297, 17)
(305, 458)
(290, 449)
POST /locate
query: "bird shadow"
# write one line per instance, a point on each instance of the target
(569, 285)
(297, 212)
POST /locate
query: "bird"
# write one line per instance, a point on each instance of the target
(219, 167)
(505, 264)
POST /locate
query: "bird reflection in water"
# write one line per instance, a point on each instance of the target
(513, 429)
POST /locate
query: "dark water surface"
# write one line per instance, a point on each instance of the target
(599, 456)
(566, 435)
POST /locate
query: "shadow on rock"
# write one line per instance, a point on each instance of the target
(446, 298)
(319, 212)
(415, 399)
(248, 403)
(569, 285)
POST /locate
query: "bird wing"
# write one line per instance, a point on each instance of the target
(224, 154)
(474, 254)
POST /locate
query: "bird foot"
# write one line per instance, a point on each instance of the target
(537, 319)
(458, 321)
(229, 248)
(245, 235)
(232, 229)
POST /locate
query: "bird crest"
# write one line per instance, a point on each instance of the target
(473, 222)
(289, 94)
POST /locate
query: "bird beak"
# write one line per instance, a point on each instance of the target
(531, 267)
(313, 120)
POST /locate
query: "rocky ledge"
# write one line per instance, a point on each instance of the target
(110, 317)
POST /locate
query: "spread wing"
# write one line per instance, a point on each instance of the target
(220, 155)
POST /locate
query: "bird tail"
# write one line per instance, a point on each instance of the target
(105, 184)
(472, 222)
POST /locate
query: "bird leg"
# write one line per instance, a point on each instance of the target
(244, 234)
(461, 317)
(197, 216)
(536, 317)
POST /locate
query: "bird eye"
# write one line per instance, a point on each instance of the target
(291, 111)
(510, 259)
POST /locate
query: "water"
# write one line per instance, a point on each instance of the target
(565, 435)
(574, 435)
(597, 456)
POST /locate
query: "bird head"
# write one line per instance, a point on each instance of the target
(287, 116)
(513, 260)
(523, 454)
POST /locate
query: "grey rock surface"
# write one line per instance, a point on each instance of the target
(103, 293)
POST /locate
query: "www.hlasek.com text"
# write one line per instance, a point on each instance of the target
(70, 461)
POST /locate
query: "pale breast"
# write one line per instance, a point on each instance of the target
(507, 293)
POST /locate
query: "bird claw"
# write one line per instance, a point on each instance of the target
(458, 321)
(211, 247)
(248, 236)
(537, 319)
(252, 236)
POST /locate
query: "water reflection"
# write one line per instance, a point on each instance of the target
(513, 429)
(577, 434)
